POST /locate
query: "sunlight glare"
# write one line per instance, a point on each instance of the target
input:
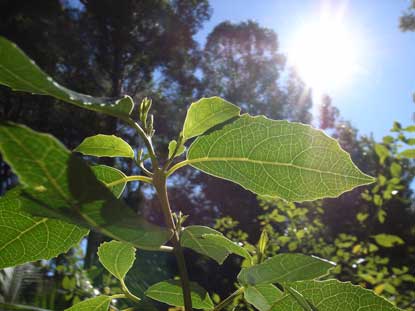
(324, 54)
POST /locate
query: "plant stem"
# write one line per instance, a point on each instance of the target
(146, 139)
(228, 300)
(159, 181)
(127, 292)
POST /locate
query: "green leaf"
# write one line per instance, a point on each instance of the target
(382, 152)
(172, 148)
(410, 128)
(207, 113)
(60, 185)
(27, 238)
(277, 158)
(396, 170)
(170, 292)
(117, 257)
(100, 303)
(20, 73)
(211, 243)
(105, 146)
(108, 174)
(231, 247)
(262, 296)
(388, 240)
(12, 306)
(285, 268)
(408, 153)
(333, 295)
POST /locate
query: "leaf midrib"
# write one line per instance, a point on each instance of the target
(40, 164)
(272, 163)
(34, 225)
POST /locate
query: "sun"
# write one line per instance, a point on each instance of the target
(325, 54)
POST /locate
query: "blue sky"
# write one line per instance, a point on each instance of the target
(381, 92)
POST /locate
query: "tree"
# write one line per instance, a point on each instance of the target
(407, 20)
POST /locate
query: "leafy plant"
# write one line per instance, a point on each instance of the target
(61, 197)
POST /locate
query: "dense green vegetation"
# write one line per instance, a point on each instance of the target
(368, 232)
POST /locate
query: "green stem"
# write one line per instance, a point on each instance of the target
(127, 293)
(159, 181)
(177, 166)
(229, 299)
(130, 178)
(146, 139)
(118, 296)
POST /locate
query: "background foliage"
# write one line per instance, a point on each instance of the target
(147, 48)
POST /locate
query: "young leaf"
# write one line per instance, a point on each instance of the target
(262, 296)
(285, 268)
(100, 303)
(27, 238)
(105, 146)
(117, 257)
(388, 240)
(62, 186)
(207, 113)
(20, 73)
(277, 158)
(333, 295)
(170, 292)
(211, 243)
(108, 174)
(172, 148)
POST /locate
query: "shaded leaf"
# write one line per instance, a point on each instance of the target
(105, 146)
(333, 295)
(388, 240)
(277, 158)
(231, 247)
(285, 268)
(100, 303)
(262, 296)
(12, 306)
(60, 185)
(117, 257)
(207, 113)
(211, 243)
(170, 292)
(20, 73)
(27, 238)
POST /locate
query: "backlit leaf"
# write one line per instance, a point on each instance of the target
(387, 240)
(277, 158)
(333, 295)
(105, 146)
(107, 174)
(170, 292)
(382, 152)
(207, 113)
(100, 303)
(117, 257)
(285, 268)
(27, 238)
(408, 153)
(262, 296)
(172, 148)
(60, 185)
(20, 73)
